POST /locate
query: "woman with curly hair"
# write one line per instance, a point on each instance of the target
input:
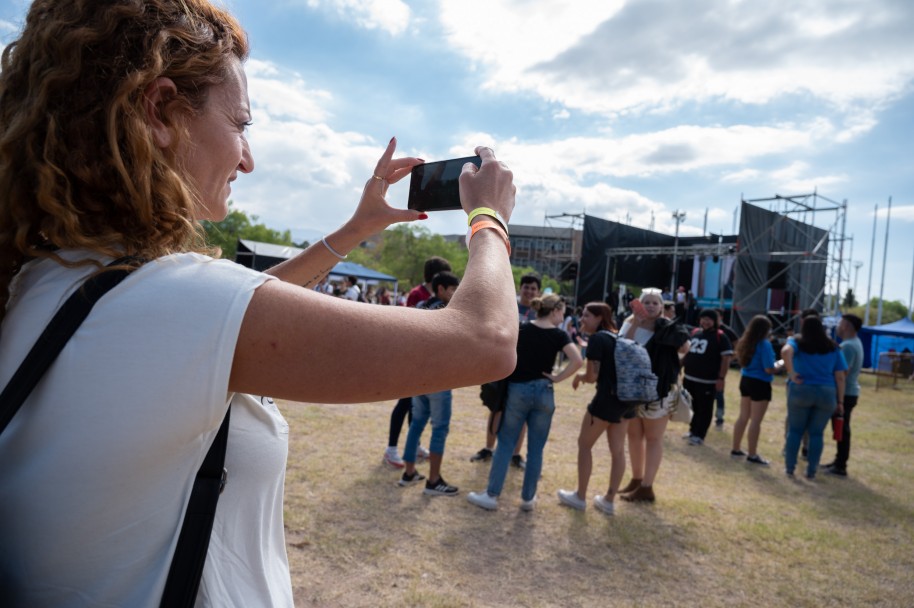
(756, 357)
(816, 369)
(122, 126)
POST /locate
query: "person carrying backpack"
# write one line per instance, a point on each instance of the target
(606, 413)
(664, 340)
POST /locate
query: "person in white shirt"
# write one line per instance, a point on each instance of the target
(100, 459)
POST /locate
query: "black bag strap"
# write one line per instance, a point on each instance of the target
(55, 336)
(193, 541)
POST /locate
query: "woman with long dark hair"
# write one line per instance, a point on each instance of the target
(604, 414)
(816, 371)
(756, 357)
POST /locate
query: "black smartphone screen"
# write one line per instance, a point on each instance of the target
(433, 186)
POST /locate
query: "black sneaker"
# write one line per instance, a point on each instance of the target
(833, 470)
(518, 462)
(482, 455)
(756, 459)
(409, 480)
(440, 488)
(737, 453)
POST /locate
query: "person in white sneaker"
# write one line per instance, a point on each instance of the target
(531, 400)
(402, 410)
(604, 414)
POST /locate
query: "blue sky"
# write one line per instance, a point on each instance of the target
(623, 110)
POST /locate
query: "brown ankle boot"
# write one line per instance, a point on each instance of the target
(642, 494)
(633, 485)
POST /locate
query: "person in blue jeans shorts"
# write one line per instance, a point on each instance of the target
(530, 400)
(816, 371)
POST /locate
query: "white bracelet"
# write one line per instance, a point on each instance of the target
(331, 249)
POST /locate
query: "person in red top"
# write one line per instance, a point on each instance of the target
(417, 295)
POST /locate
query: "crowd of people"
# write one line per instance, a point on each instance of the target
(555, 342)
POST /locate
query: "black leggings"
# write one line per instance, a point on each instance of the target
(401, 411)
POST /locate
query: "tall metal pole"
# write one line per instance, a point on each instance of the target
(704, 228)
(885, 256)
(869, 283)
(911, 295)
(857, 266)
(841, 257)
(678, 216)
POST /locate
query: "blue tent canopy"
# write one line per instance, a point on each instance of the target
(881, 338)
(261, 256)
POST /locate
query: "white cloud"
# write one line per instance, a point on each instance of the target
(391, 16)
(607, 58)
(904, 213)
(795, 178)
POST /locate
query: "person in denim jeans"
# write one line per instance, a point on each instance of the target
(530, 399)
(816, 369)
(436, 406)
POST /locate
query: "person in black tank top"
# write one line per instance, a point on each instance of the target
(530, 400)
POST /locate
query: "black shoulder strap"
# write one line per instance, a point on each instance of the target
(54, 337)
(193, 541)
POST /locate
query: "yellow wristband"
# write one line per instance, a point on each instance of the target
(490, 212)
(487, 224)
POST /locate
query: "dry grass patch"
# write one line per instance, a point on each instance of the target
(722, 533)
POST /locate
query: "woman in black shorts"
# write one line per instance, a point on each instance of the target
(605, 412)
(756, 356)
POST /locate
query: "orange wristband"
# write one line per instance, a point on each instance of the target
(488, 224)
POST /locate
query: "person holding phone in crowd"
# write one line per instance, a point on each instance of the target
(604, 414)
(530, 401)
(664, 340)
(756, 357)
(122, 127)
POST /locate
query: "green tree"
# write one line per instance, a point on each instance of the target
(404, 249)
(892, 310)
(238, 225)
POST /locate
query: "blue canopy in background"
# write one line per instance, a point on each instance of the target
(881, 338)
(261, 256)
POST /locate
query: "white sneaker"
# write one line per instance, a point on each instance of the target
(392, 459)
(570, 499)
(528, 505)
(482, 499)
(607, 506)
(421, 453)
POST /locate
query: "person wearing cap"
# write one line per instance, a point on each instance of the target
(706, 367)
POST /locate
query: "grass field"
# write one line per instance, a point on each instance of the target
(722, 532)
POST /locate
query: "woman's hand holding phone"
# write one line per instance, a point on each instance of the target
(491, 185)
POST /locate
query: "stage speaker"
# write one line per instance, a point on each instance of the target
(777, 275)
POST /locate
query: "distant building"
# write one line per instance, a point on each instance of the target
(549, 250)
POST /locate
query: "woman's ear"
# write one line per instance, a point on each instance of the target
(155, 99)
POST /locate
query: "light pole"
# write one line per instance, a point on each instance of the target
(678, 216)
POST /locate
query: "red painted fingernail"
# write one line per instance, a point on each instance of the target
(423, 216)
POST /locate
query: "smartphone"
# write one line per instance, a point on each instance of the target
(433, 186)
(638, 308)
